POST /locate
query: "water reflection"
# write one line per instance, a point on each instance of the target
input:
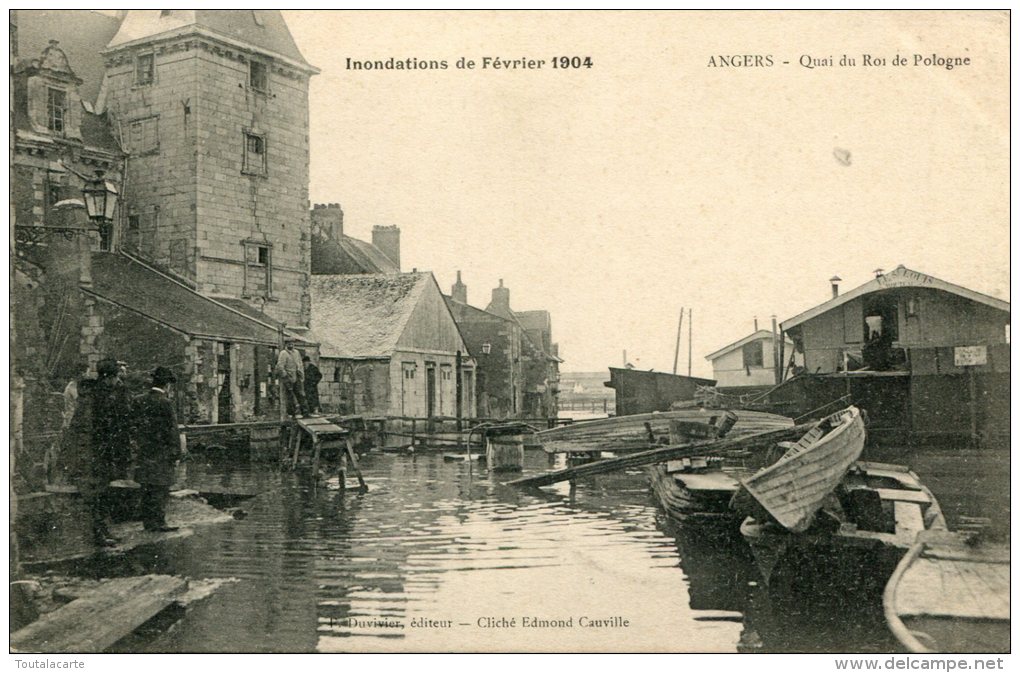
(439, 556)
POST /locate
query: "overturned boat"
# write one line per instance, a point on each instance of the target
(860, 533)
(639, 432)
(793, 488)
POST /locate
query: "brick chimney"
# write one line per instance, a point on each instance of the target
(834, 281)
(328, 221)
(459, 291)
(501, 298)
(387, 239)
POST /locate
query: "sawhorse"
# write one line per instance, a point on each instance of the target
(319, 429)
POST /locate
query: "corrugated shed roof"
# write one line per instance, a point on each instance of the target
(139, 288)
(81, 34)
(263, 29)
(348, 255)
(364, 315)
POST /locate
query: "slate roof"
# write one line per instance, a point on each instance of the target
(363, 316)
(348, 255)
(244, 307)
(81, 34)
(143, 290)
(263, 29)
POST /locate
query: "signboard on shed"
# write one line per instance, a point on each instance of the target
(970, 356)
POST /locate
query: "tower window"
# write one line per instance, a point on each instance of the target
(258, 269)
(53, 192)
(254, 153)
(258, 76)
(145, 69)
(143, 136)
(56, 110)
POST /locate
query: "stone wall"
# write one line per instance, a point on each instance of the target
(211, 192)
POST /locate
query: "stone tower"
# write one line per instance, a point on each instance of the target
(212, 107)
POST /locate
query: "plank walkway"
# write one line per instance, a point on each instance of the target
(100, 617)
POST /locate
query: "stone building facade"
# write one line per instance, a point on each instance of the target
(212, 107)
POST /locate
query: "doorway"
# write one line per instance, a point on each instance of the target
(430, 389)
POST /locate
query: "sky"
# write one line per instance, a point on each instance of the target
(614, 195)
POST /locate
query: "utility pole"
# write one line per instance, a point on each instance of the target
(690, 334)
(679, 331)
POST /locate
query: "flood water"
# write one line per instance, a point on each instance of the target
(441, 556)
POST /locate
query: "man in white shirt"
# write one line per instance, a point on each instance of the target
(292, 385)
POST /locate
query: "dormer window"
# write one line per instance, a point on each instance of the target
(56, 110)
(145, 69)
(258, 76)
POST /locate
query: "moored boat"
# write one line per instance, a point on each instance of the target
(630, 433)
(865, 526)
(793, 488)
(697, 490)
(950, 593)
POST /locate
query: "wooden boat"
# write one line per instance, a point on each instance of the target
(950, 593)
(698, 490)
(866, 525)
(629, 433)
(793, 488)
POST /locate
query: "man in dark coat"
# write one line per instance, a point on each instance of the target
(312, 378)
(159, 448)
(111, 419)
(88, 465)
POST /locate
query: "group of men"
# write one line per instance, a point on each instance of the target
(108, 432)
(299, 381)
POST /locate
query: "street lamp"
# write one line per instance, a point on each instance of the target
(100, 197)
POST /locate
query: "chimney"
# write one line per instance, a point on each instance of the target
(387, 239)
(459, 291)
(835, 285)
(755, 323)
(328, 221)
(501, 301)
(879, 272)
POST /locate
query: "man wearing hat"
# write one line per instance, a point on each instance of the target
(111, 418)
(292, 380)
(159, 448)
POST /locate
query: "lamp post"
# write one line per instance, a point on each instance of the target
(100, 196)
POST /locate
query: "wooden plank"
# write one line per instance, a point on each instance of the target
(715, 447)
(900, 495)
(709, 481)
(100, 617)
(909, 521)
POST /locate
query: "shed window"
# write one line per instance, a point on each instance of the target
(145, 69)
(754, 354)
(56, 110)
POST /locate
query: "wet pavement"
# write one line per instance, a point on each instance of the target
(441, 556)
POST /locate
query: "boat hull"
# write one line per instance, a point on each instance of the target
(795, 487)
(950, 596)
(691, 505)
(622, 433)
